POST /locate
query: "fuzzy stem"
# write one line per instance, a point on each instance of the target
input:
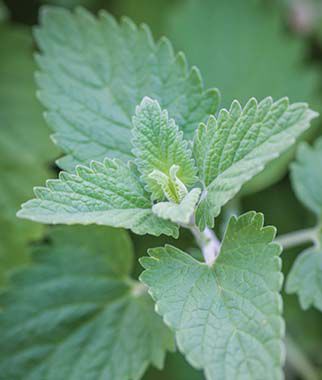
(208, 243)
(295, 238)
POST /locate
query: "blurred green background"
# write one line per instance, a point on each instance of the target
(245, 48)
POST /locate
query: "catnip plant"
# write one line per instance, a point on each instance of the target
(148, 149)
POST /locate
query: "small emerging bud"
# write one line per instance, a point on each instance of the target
(173, 188)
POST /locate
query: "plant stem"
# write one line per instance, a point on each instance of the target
(298, 360)
(295, 238)
(208, 243)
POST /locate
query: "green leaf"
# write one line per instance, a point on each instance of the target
(306, 175)
(158, 146)
(305, 278)
(227, 317)
(232, 148)
(92, 81)
(108, 193)
(178, 213)
(75, 314)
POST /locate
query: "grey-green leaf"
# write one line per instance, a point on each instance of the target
(178, 213)
(237, 145)
(306, 175)
(75, 314)
(108, 193)
(159, 145)
(93, 73)
(227, 318)
(305, 278)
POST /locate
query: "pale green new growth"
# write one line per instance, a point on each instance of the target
(234, 147)
(178, 213)
(158, 147)
(108, 193)
(227, 317)
(305, 278)
(94, 72)
(75, 314)
(173, 189)
(306, 175)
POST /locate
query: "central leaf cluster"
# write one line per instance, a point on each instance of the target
(163, 157)
(174, 190)
(156, 191)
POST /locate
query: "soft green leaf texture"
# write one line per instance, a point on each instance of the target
(75, 314)
(227, 317)
(93, 73)
(305, 278)
(234, 147)
(178, 213)
(306, 175)
(108, 193)
(159, 145)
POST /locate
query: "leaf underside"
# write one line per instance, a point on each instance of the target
(73, 314)
(93, 73)
(227, 318)
(237, 145)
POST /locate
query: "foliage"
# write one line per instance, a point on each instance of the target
(86, 315)
(305, 277)
(86, 75)
(227, 317)
(147, 147)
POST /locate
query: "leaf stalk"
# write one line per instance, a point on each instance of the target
(296, 238)
(208, 243)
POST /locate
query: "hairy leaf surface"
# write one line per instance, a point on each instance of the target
(108, 193)
(227, 317)
(93, 73)
(178, 213)
(75, 314)
(158, 145)
(234, 147)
